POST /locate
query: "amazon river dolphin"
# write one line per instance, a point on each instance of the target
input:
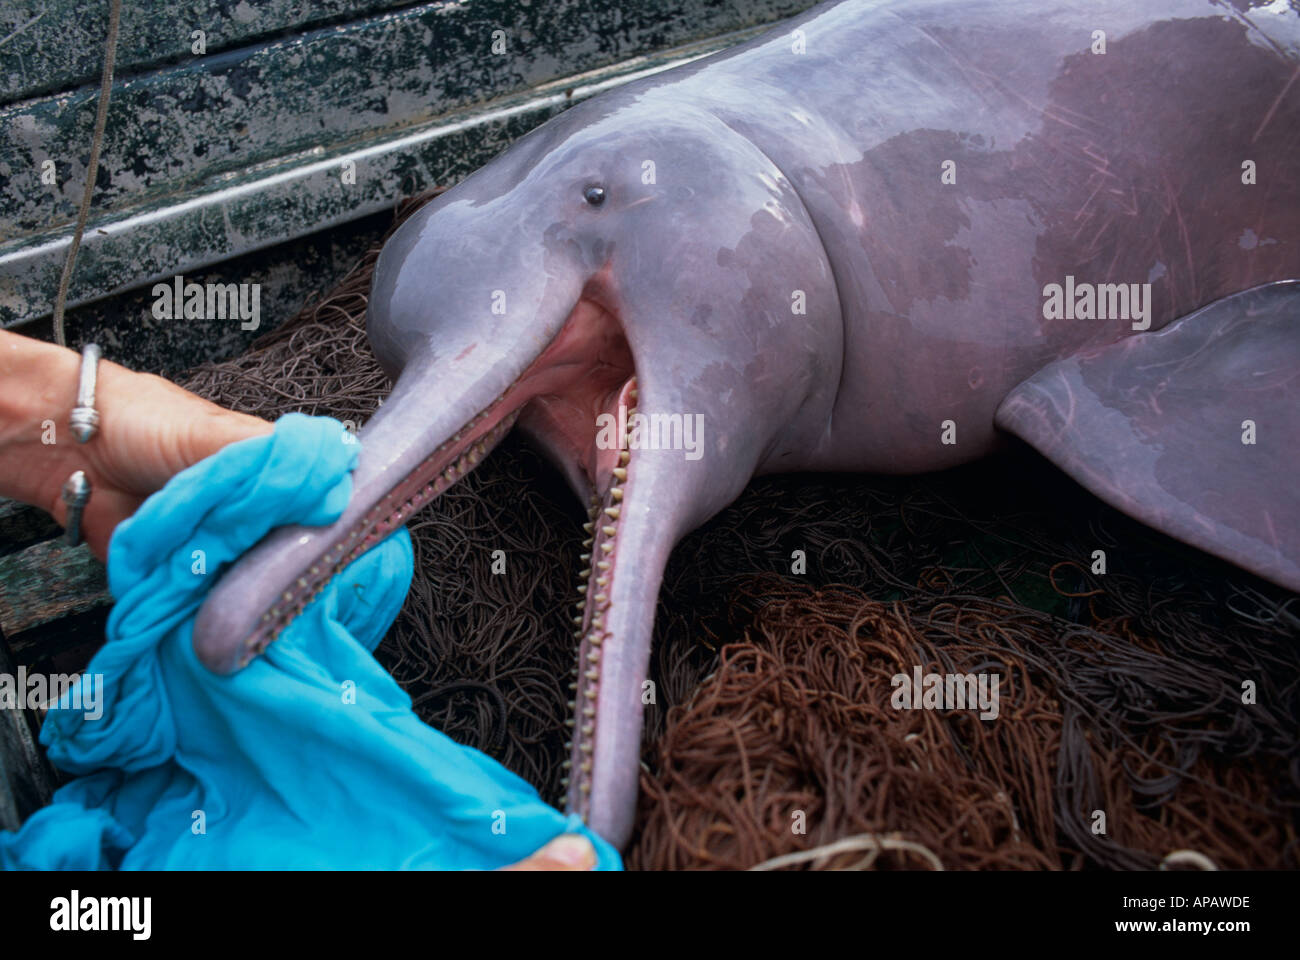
(884, 236)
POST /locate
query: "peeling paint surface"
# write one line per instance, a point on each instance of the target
(270, 117)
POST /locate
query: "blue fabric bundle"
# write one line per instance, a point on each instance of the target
(311, 757)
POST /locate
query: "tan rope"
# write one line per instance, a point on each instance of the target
(867, 841)
(96, 144)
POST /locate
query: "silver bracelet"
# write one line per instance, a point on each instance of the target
(84, 420)
(84, 423)
(76, 494)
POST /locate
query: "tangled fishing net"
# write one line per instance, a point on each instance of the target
(1148, 715)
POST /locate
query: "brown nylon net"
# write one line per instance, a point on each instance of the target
(1148, 715)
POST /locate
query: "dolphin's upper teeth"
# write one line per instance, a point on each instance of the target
(609, 531)
(602, 565)
(607, 547)
(621, 472)
(587, 527)
(623, 458)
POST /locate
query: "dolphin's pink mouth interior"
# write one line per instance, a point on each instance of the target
(585, 371)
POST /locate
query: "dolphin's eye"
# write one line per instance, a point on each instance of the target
(594, 195)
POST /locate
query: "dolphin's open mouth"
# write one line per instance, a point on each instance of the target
(596, 588)
(587, 370)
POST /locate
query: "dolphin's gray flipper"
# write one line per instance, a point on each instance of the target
(1194, 429)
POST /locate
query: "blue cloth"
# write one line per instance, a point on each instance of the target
(311, 757)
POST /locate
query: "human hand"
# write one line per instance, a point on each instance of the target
(569, 851)
(149, 430)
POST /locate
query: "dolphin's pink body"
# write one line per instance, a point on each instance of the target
(838, 245)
